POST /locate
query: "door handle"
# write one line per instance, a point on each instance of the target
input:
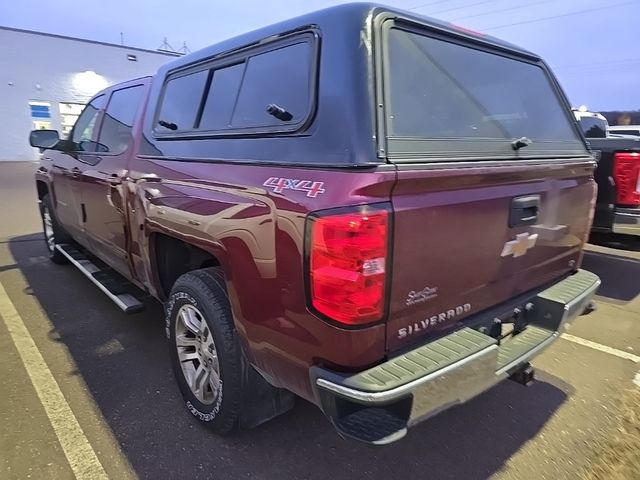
(524, 210)
(150, 177)
(76, 172)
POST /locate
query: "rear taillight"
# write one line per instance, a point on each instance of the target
(347, 264)
(626, 174)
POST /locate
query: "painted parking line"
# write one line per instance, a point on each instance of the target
(80, 454)
(602, 348)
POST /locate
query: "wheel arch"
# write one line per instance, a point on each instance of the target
(42, 188)
(172, 257)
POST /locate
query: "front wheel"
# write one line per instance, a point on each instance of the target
(205, 353)
(53, 232)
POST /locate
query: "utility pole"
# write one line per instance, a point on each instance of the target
(165, 47)
(184, 50)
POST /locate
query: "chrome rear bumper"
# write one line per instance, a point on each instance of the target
(379, 404)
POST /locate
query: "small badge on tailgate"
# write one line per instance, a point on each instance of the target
(519, 246)
(420, 296)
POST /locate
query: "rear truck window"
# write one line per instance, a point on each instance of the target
(593, 127)
(457, 101)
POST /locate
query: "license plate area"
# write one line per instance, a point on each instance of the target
(508, 324)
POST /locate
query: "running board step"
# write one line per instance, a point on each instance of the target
(372, 425)
(110, 285)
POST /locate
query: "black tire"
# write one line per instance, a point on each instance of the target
(205, 291)
(58, 233)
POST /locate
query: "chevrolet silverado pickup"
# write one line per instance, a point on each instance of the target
(378, 212)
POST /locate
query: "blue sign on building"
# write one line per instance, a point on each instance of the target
(40, 111)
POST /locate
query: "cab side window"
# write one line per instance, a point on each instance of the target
(181, 101)
(268, 88)
(279, 77)
(82, 134)
(117, 123)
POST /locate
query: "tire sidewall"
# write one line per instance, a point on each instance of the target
(215, 414)
(58, 233)
(45, 205)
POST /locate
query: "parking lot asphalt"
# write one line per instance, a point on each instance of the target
(68, 355)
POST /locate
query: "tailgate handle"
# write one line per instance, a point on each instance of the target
(524, 210)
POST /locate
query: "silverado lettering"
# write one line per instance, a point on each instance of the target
(433, 320)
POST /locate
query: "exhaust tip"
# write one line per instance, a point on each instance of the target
(525, 375)
(590, 308)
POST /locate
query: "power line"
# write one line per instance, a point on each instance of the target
(426, 5)
(500, 10)
(600, 70)
(558, 16)
(622, 61)
(469, 5)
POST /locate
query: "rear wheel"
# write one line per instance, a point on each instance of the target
(53, 232)
(205, 353)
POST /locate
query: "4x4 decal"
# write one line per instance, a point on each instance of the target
(280, 184)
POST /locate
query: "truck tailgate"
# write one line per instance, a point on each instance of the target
(464, 240)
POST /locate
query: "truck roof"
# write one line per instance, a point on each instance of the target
(350, 15)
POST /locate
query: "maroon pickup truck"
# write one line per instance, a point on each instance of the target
(380, 213)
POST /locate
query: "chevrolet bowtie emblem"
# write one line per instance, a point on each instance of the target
(520, 245)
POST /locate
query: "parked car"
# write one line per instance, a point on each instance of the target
(333, 207)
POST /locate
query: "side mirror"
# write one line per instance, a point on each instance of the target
(44, 138)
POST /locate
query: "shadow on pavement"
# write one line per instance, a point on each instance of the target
(620, 275)
(124, 362)
(612, 240)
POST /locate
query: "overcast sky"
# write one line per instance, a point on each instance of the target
(592, 45)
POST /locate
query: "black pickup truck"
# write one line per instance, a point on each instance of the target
(618, 176)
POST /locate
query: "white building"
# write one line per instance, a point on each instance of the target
(45, 80)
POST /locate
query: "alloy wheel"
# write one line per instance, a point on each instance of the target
(197, 354)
